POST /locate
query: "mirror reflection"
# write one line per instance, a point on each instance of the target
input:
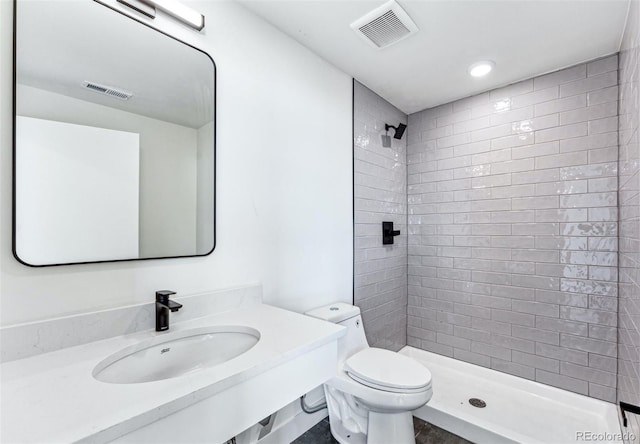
(114, 138)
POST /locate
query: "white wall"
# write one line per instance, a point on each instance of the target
(205, 183)
(284, 183)
(168, 166)
(75, 201)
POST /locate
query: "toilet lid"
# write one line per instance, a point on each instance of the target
(386, 370)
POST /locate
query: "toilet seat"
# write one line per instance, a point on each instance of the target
(389, 371)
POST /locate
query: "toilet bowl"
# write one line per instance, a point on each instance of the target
(371, 398)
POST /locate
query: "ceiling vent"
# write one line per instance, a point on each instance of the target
(385, 25)
(107, 90)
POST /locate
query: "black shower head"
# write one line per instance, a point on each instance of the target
(399, 130)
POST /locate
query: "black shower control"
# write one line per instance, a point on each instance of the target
(388, 233)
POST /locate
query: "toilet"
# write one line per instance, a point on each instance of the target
(371, 398)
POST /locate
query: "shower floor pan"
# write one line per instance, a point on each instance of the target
(517, 410)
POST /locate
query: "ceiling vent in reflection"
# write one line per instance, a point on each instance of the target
(385, 25)
(107, 90)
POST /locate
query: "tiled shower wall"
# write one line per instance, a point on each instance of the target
(629, 187)
(380, 192)
(513, 229)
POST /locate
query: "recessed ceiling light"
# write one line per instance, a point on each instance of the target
(481, 69)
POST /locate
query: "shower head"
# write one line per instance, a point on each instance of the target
(399, 130)
(398, 133)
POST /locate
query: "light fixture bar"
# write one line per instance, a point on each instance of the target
(183, 13)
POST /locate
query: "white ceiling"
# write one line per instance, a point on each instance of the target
(524, 38)
(63, 43)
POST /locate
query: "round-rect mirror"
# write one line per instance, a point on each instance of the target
(114, 147)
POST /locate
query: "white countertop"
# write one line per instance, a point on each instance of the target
(53, 397)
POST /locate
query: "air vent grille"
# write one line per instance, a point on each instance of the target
(385, 30)
(385, 25)
(107, 90)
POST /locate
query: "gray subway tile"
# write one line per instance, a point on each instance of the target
(607, 109)
(589, 84)
(523, 345)
(491, 350)
(588, 345)
(491, 326)
(605, 333)
(512, 210)
(564, 354)
(539, 96)
(560, 77)
(603, 363)
(603, 65)
(589, 315)
(471, 333)
(562, 326)
(604, 95)
(590, 374)
(562, 132)
(472, 357)
(536, 308)
(601, 392)
(454, 341)
(547, 337)
(535, 361)
(562, 381)
(513, 368)
(512, 317)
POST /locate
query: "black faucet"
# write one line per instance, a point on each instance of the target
(163, 306)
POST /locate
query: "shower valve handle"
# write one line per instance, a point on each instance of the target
(388, 233)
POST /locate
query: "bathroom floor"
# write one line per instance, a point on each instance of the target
(425, 434)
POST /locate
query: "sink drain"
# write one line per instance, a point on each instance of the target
(476, 402)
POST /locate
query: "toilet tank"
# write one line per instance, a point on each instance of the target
(336, 312)
(348, 316)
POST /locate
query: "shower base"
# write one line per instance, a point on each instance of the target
(516, 410)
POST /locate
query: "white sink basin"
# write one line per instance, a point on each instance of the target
(177, 354)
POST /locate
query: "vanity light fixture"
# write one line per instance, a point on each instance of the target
(174, 8)
(481, 69)
(184, 13)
